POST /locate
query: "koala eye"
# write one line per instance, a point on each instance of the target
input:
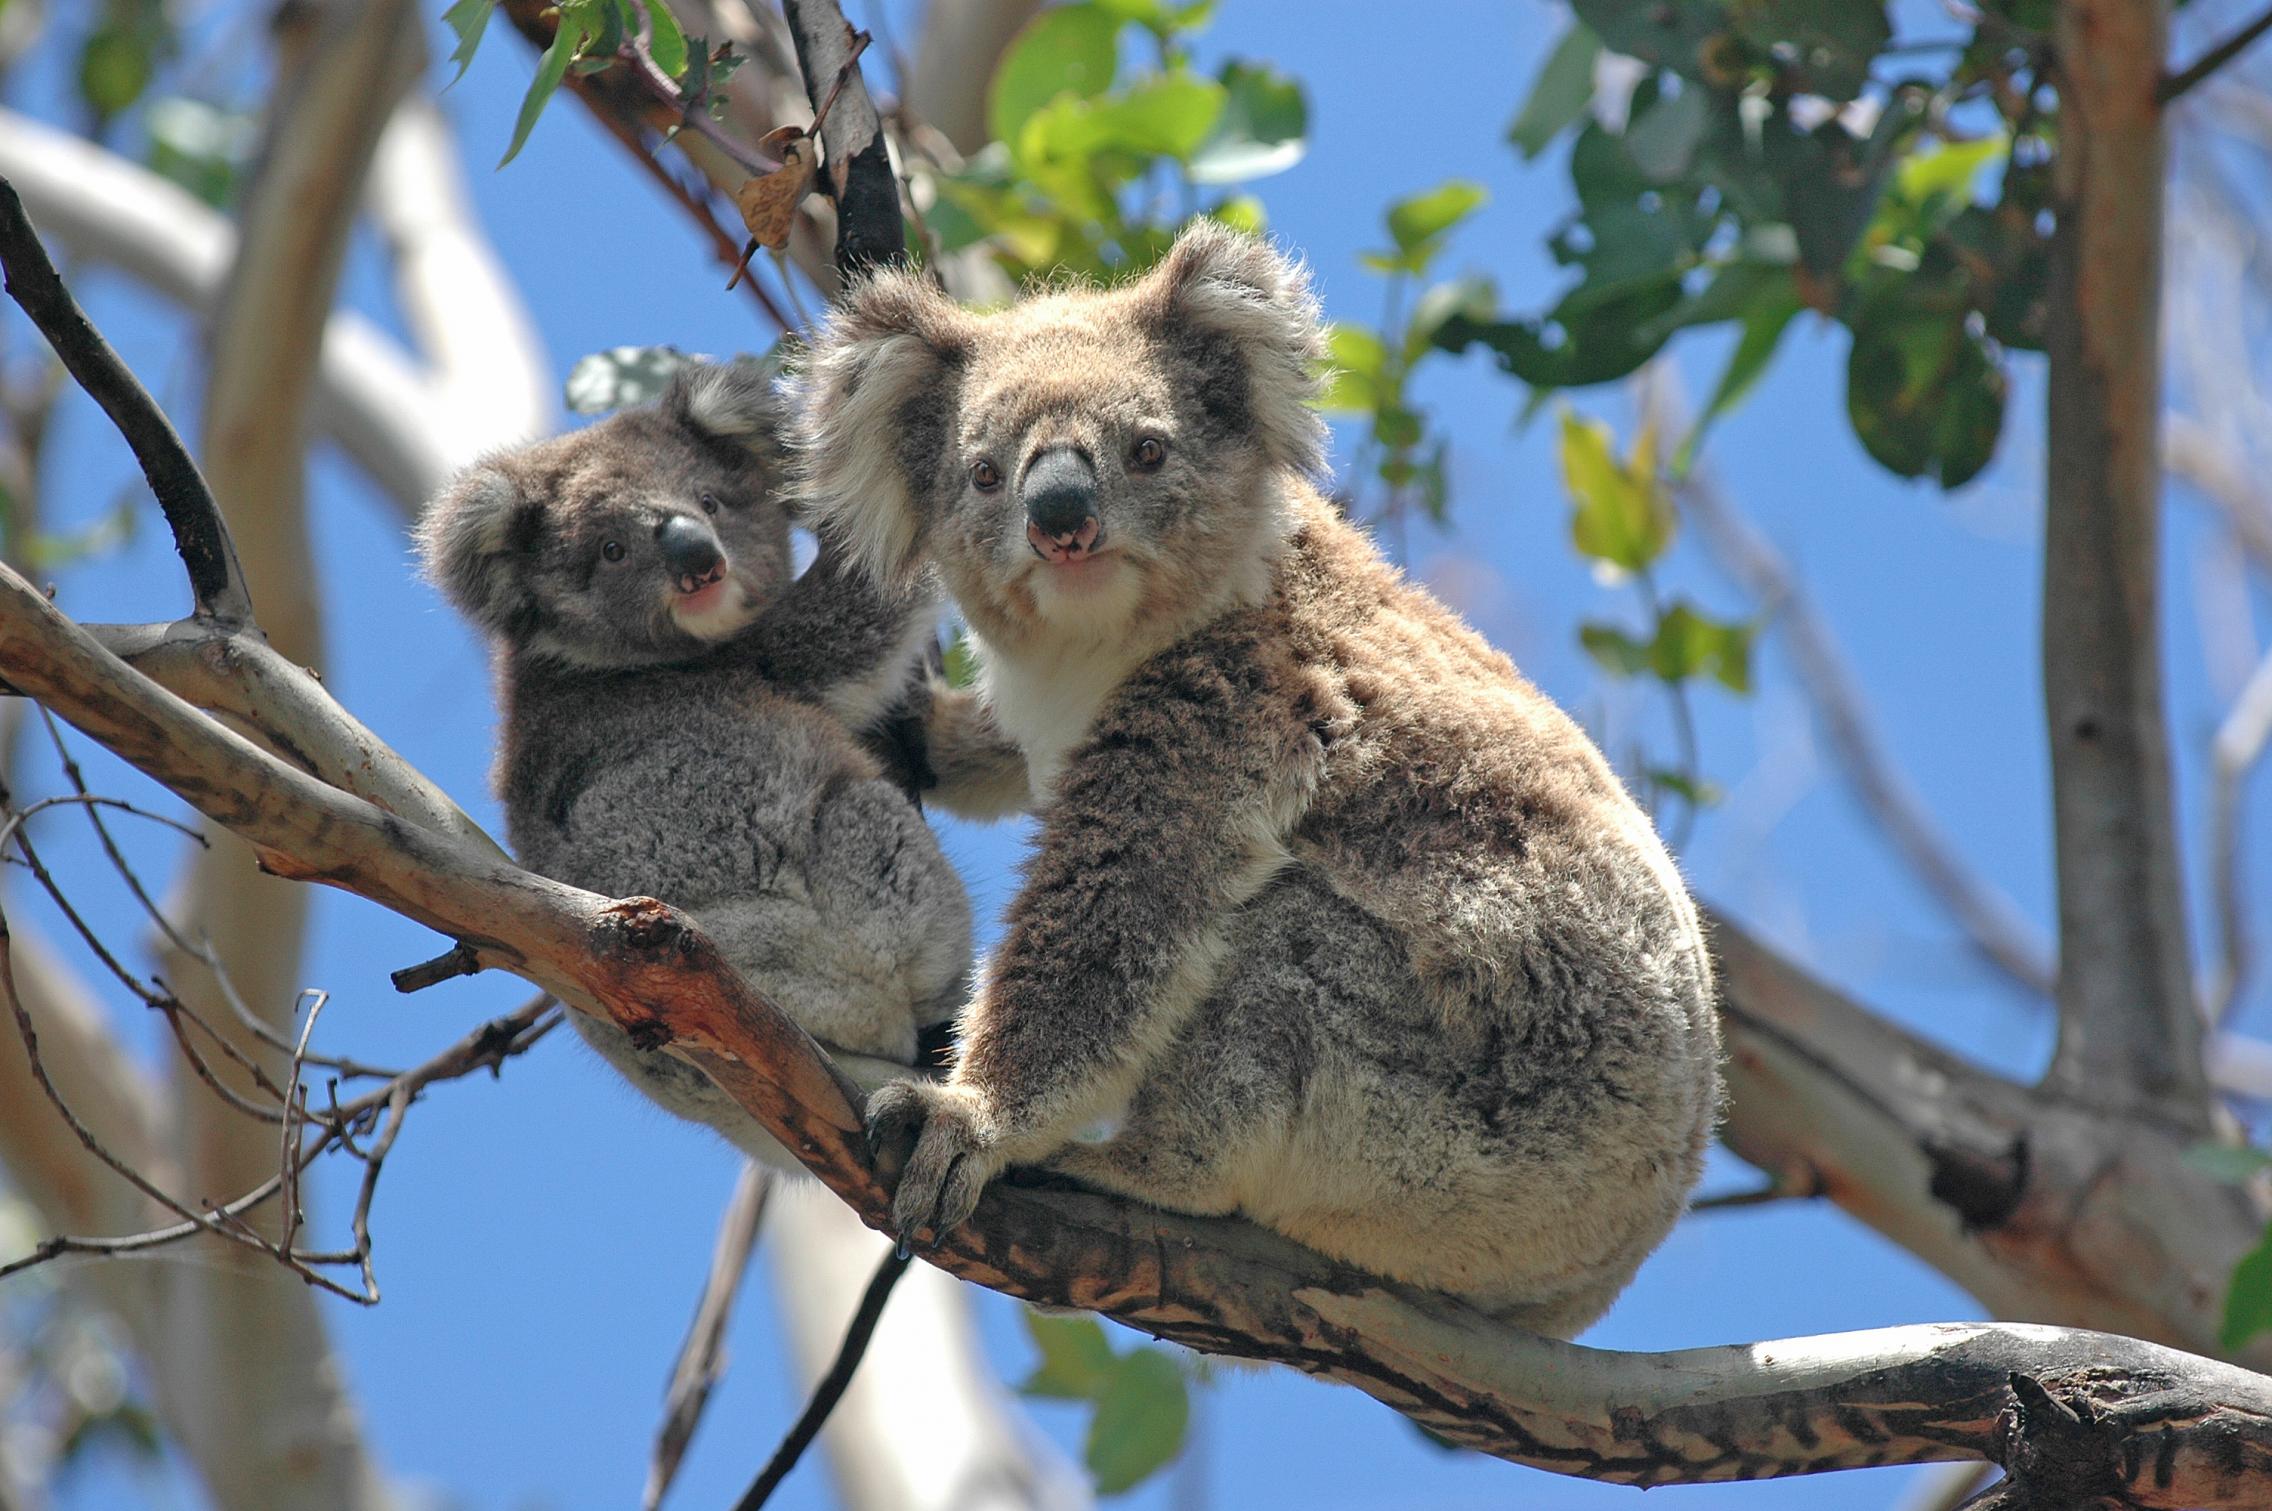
(1148, 454)
(985, 476)
(709, 503)
(612, 550)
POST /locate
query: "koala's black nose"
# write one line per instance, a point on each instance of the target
(1060, 492)
(690, 552)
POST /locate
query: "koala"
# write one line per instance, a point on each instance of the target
(678, 720)
(1332, 920)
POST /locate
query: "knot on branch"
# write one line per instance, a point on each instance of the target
(1983, 1188)
(2058, 1454)
(641, 926)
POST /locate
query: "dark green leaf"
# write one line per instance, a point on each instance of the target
(620, 377)
(666, 44)
(550, 70)
(1070, 50)
(1923, 393)
(1396, 427)
(1476, 298)
(1671, 35)
(1138, 1430)
(1693, 791)
(1077, 1361)
(1261, 130)
(1663, 141)
(115, 66)
(1613, 650)
(1833, 41)
(1763, 327)
(468, 18)
(2248, 1305)
(1560, 93)
(1689, 644)
(1591, 337)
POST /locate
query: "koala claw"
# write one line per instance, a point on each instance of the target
(953, 1159)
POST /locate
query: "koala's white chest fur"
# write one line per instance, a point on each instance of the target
(1046, 700)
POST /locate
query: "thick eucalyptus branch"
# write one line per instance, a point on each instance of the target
(2045, 1210)
(2155, 1427)
(2130, 1031)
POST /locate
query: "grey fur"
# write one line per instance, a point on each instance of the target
(1333, 919)
(707, 756)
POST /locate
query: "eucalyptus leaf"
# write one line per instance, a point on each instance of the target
(1560, 93)
(1142, 1415)
(1261, 130)
(1070, 50)
(1077, 1361)
(468, 19)
(620, 377)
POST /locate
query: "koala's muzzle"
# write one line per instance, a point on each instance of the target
(690, 554)
(1060, 493)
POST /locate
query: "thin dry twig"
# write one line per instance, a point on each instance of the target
(701, 1358)
(832, 1385)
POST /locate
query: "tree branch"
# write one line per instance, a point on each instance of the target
(1901, 1395)
(206, 551)
(701, 1358)
(869, 231)
(2176, 84)
(2130, 1031)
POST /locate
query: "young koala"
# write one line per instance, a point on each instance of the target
(678, 717)
(1333, 920)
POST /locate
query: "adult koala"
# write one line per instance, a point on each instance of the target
(679, 718)
(1333, 920)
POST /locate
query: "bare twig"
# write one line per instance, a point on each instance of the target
(701, 1358)
(206, 550)
(2215, 58)
(832, 1385)
(1992, 925)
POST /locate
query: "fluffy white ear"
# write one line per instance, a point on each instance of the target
(1250, 308)
(731, 400)
(872, 415)
(468, 538)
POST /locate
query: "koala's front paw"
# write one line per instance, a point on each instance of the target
(953, 1160)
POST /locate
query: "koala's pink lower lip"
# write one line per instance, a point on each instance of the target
(702, 597)
(1086, 545)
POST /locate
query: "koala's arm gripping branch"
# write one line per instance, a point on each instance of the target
(199, 534)
(1179, 796)
(2083, 1415)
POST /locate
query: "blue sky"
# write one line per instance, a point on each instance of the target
(542, 1238)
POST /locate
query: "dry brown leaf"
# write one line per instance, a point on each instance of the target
(769, 203)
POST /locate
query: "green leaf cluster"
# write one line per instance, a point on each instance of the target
(1142, 1403)
(1369, 371)
(1780, 155)
(594, 35)
(1094, 164)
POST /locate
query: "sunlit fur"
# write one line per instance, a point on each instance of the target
(1332, 919)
